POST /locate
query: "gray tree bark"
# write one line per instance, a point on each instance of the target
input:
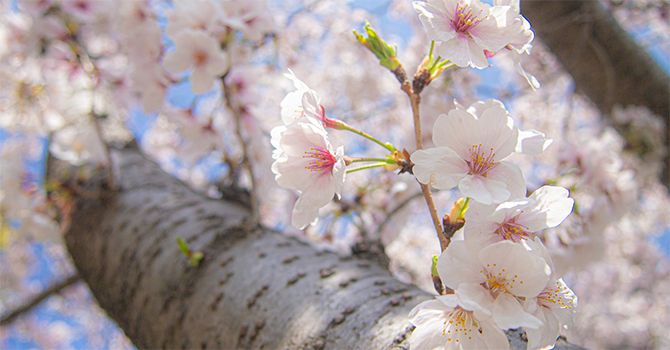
(608, 66)
(253, 289)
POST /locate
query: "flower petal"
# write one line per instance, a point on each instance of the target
(484, 190)
(532, 142)
(439, 167)
(511, 175)
(201, 80)
(459, 264)
(508, 313)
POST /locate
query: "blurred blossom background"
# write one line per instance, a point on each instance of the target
(69, 67)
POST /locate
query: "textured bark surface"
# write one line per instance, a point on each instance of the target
(607, 64)
(253, 289)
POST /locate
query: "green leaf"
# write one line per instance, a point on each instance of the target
(183, 246)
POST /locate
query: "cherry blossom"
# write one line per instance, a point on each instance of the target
(445, 323)
(301, 102)
(306, 161)
(253, 18)
(199, 15)
(468, 154)
(466, 28)
(554, 306)
(494, 278)
(199, 50)
(518, 219)
(529, 142)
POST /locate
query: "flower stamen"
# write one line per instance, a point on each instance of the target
(481, 161)
(321, 159)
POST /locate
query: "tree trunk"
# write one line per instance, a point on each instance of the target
(606, 63)
(254, 288)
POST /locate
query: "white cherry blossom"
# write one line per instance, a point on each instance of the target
(469, 153)
(466, 28)
(201, 51)
(306, 161)
(445, 323)
(189, 14)
(518, 219)
(494, 278)
(554, 306)
(529, 142)
(301, 102)
(252, 18)
(520, 43)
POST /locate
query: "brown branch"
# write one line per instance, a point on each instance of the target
(415, 100)
(54, 289)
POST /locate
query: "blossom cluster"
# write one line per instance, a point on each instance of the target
(75, 73)
(501, 273)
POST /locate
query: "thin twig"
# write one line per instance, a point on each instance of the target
(56, 288)
(255, 210)
(415, 100)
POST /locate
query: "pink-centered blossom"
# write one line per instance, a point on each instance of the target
(554, 306)
(466, 28)
(468, 154)
(306, 161)
(202, 52)
(518, 219)
(494, 278)
(445, 323)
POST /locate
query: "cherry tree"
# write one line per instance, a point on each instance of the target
(251, 174)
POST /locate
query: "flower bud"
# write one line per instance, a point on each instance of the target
(383, 51)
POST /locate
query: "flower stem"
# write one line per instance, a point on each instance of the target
(387, 145)
(464, 208)
(437, 60)
(365, 167)
(432, 45)
(383, 160)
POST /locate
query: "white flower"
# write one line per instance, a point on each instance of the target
(444, 323)
(554, 306)
(520, 43)
(306, 161)
(199, 50)
(253, 18)
(150, 81)
(494, 277)
(529, 142)
(301, 102)
(518, 219)
(196, 15)
(468, 154)
(468, 27)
